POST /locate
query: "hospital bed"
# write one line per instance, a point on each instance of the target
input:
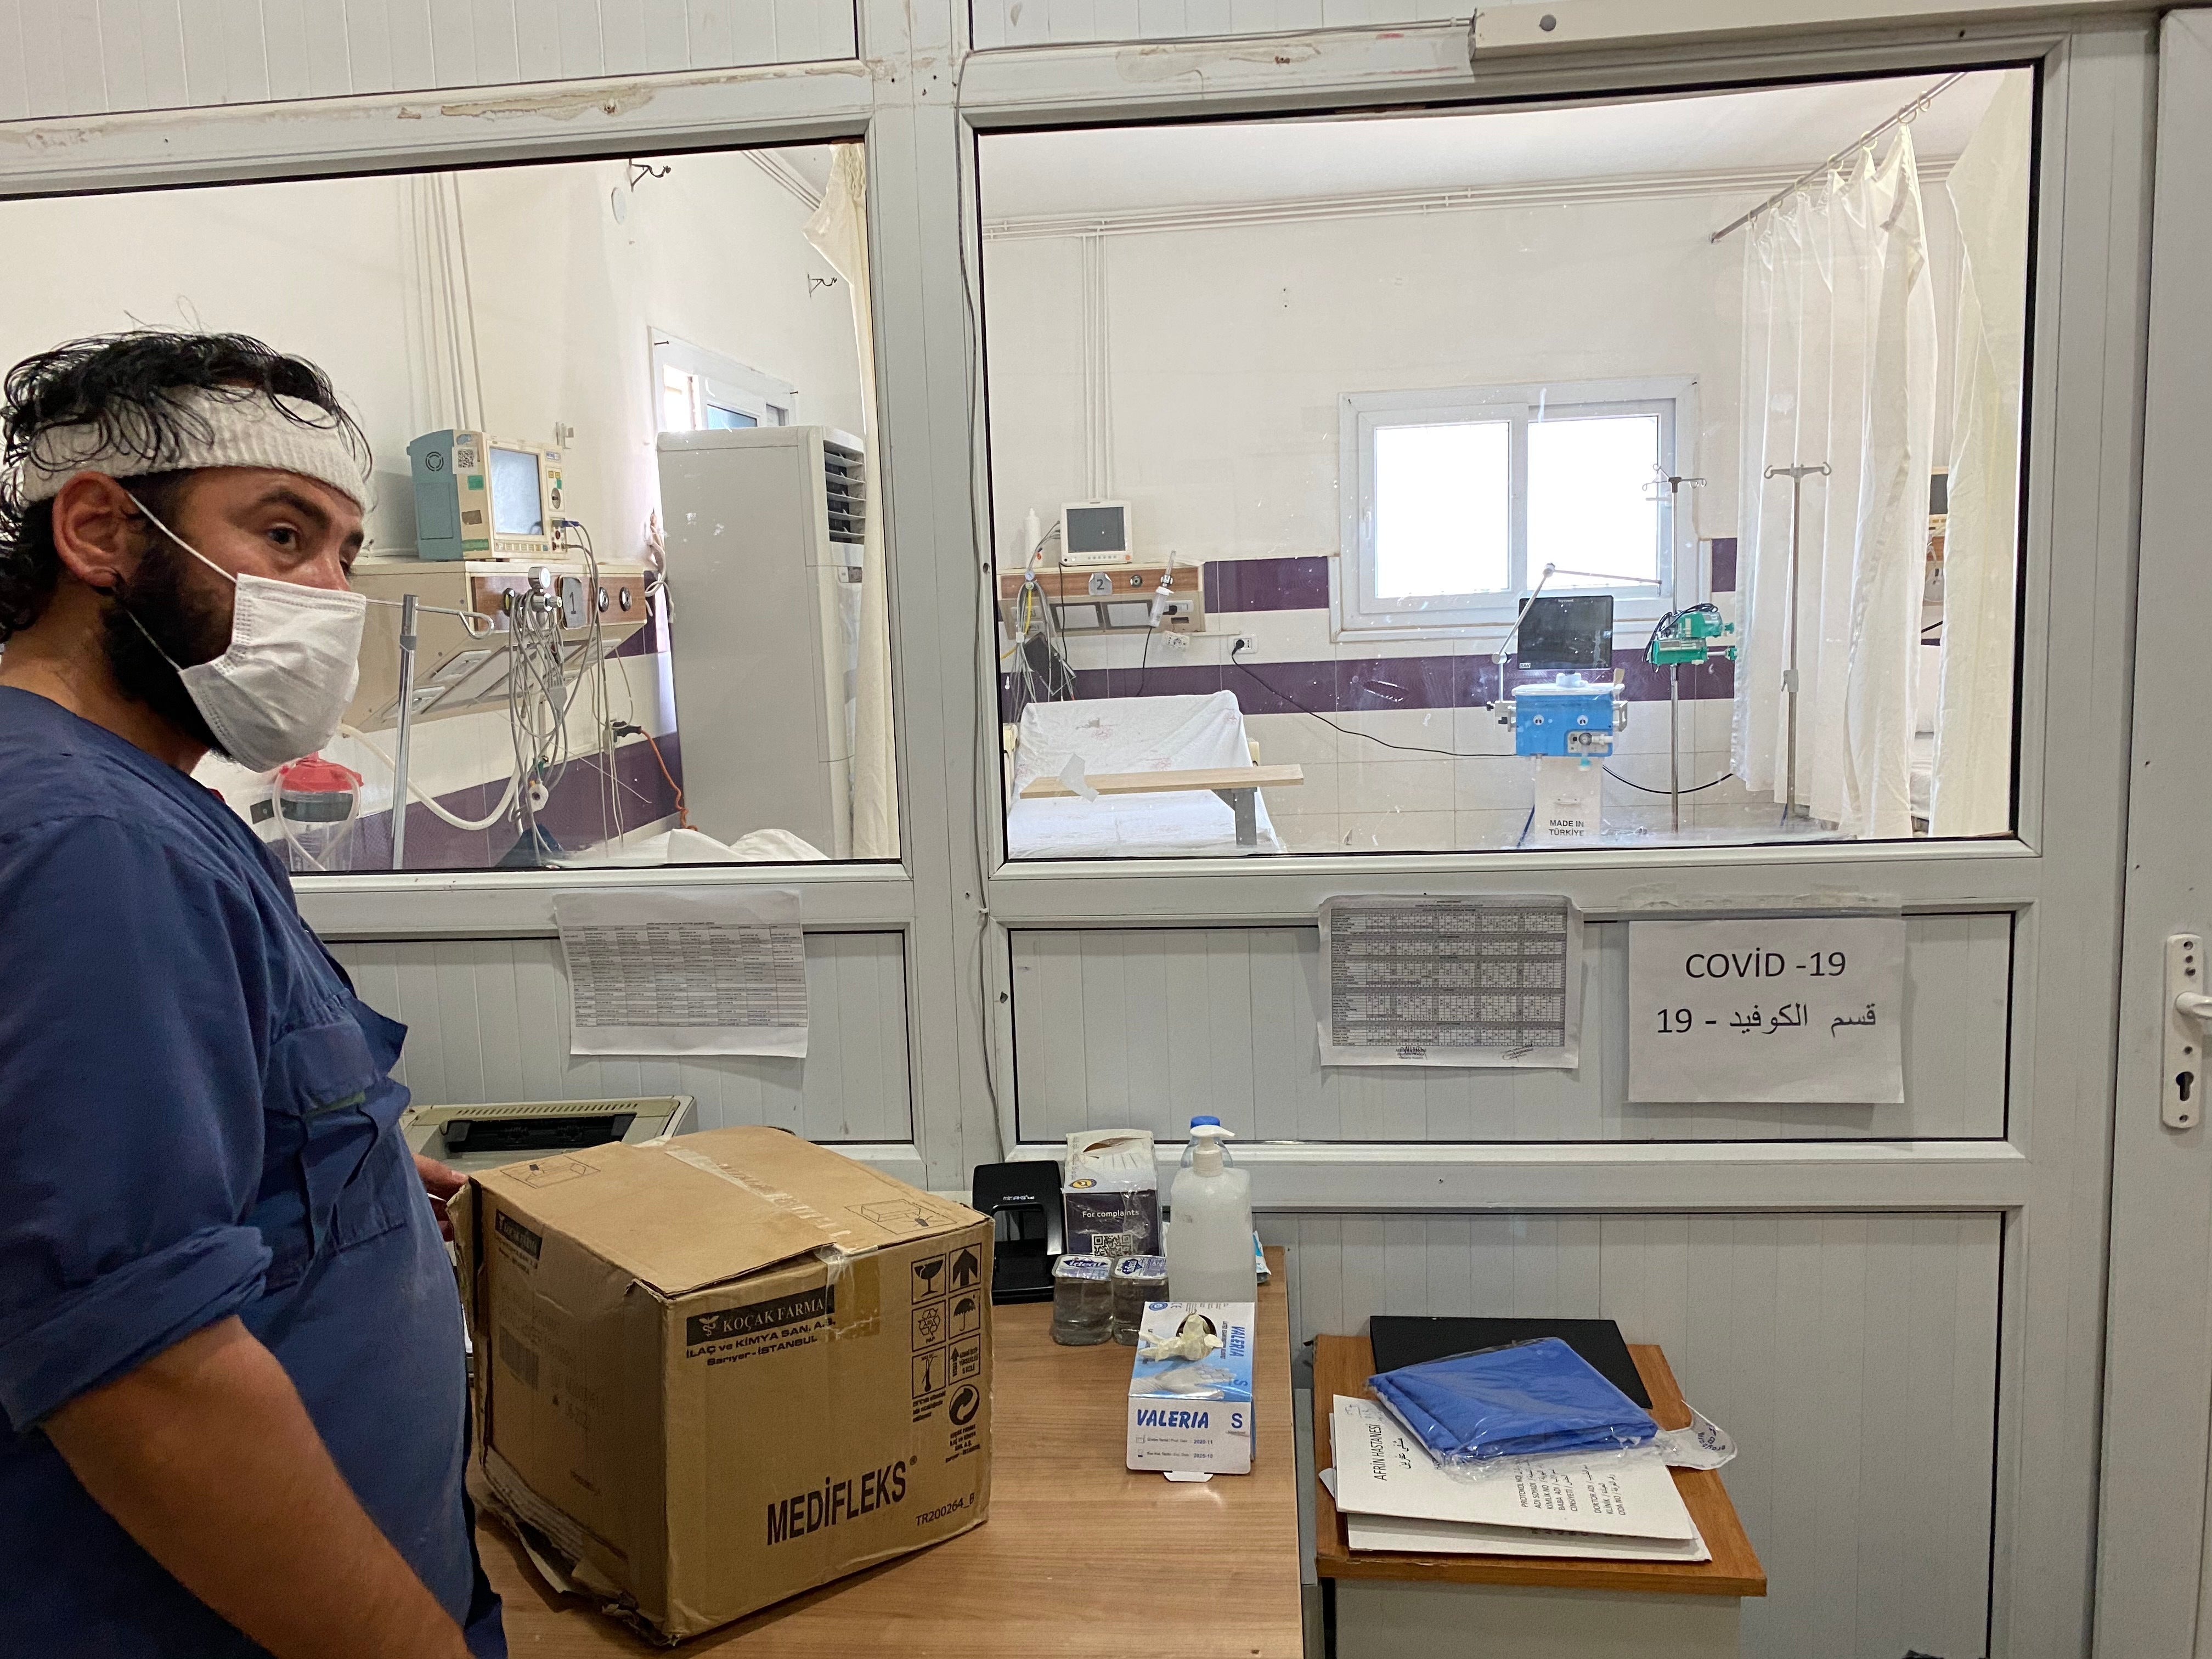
(1124, 777)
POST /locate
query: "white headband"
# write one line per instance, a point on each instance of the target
(215, 429)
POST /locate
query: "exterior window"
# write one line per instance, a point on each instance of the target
(1464, 498)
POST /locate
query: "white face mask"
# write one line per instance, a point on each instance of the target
(294, 659)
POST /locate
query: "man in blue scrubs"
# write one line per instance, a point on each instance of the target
(233, 1418)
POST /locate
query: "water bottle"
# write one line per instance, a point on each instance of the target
(1210, 1240)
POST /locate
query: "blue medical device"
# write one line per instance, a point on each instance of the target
(1570, 717)
(1575, 717)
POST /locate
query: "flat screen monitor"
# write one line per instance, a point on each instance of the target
(1100, 529)
(517, 502)
(1568, 636)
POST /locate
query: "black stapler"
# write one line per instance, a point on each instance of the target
(1023, 1200)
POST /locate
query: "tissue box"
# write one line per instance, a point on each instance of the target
(1193, 1416)
(1110, 1194)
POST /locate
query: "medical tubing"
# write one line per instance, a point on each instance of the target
(429, 801)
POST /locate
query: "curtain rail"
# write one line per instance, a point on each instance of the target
(1850, 149)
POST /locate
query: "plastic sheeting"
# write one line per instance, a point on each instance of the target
(838, 232)
(1838, 368)
(1527, 1399)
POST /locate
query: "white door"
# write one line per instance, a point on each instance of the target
(2151, 1577)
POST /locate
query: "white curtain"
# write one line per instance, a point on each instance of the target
(444, 380)
(1838, 370)
(1971, 791)
(839, 231)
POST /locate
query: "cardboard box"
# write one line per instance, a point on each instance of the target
(1193, 1416)
(1110, 1194)
(717, 1370)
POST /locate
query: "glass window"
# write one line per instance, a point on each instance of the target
(1592, 506)
(1442, 507)
(1431, 440)
(1467, 501)
(629, 491)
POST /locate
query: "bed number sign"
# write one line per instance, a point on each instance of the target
(1783, 1010)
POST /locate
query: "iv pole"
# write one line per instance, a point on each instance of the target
(1674, 486)
(1797, 475)
(404, 743)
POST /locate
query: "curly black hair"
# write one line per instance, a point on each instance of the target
(117, 383)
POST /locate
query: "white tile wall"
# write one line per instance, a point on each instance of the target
(1360, 796)
(1852, 1357)
(488, 1019)
(1145, 1027)
(79, 57)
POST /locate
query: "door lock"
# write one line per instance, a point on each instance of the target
(2187, 1012)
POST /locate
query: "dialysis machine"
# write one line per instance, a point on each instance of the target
(1569, 725)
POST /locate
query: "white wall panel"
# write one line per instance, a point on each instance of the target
(106, 56)
(488, 1019)
(1066, 22)
(1853, 1357)
(1115, 1028)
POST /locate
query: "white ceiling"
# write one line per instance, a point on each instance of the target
(1130, 170)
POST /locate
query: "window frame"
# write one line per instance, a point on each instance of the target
(721, 380)
(1357, 613)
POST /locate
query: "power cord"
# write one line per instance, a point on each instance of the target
(1403, 748)
(1451, 754)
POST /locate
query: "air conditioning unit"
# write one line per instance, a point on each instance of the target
(765, 526)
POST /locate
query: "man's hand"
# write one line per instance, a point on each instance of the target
(205, 1455)
(441, 1182)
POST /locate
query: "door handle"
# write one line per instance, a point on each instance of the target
(2186, 1012)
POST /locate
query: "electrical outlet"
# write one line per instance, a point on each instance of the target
(1176, 642)
(1243, 643)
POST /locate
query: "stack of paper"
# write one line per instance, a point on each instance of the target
(1617, 1506)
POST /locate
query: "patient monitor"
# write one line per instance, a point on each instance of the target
(479, 497)
(1093, 533)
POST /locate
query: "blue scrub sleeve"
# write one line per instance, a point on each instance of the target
(134, 991)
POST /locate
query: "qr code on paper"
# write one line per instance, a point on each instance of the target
(1116, 1243)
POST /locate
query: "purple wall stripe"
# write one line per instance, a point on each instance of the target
(1298, 583)
(571, 815)
(1723, 564)
(643, 643)
(1301, 583)
(1358, 684)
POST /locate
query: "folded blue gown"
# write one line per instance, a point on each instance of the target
(1529, 1398)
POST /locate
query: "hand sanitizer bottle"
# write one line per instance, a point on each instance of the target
(1210, 1240)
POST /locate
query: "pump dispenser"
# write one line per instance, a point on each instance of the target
(1210, 1239)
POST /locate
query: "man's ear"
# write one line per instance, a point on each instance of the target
(98, 530)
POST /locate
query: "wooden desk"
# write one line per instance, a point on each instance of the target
(1076, 1549)
(1342, 1365)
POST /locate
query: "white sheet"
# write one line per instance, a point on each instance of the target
(1131, 734)
(693, 846)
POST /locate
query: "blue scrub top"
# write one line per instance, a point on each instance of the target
(197, 1120)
